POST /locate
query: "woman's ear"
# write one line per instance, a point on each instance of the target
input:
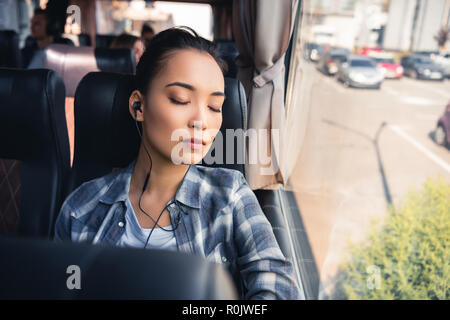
(135, 106)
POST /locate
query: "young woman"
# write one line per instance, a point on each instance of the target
(163, 199)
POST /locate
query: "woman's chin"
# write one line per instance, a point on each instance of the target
(189, 158)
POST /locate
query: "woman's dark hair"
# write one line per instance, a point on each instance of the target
(163, 45)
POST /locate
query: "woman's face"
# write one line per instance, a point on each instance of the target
(184, 102)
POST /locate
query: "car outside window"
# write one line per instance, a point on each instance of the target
(361, 63)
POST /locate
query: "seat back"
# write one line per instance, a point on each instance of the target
(84, 39)
(9, 49)
(40, 270)
(73, 63)
(34, 151)
(234, 126)
(106, 135)
(228, 51)
(104, 40)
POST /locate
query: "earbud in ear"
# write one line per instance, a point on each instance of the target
(136, 107)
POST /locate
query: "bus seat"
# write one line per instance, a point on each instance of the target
(84, 40)
(9, 49)
(234, 116)
(39, 269)
(73, 63)
(115, 60)
(106, 135)
(270, 203)
(104, 40)
(34, 151)
(29, 41)
(228, 51)
(65, 41)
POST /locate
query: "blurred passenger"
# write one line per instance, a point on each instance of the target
(128, 41)
(39, 33)
(43, 33)
(147, 33)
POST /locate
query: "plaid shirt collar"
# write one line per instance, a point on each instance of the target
(187, 193)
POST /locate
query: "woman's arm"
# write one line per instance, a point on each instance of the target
(63, 224)
(265, 272)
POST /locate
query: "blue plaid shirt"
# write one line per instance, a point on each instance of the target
(220, 219)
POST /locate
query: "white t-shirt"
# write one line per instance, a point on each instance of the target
(136, 236)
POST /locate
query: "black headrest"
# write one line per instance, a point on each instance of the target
(104, 40)
(29, 41)
(84, 39)
(106, 135)
(28, 99)
(228, 51)
(33, 129)
(66, 41)
(38, 269)
(234, 116)
(115, 60)
(9, 49)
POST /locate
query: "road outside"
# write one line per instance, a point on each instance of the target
(363, 150)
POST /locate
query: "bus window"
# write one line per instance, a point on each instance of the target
(115, 17)
(370, 172)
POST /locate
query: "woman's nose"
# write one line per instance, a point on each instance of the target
(198, 120)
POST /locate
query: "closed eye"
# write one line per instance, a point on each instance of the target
(214, 109)
(178, 102)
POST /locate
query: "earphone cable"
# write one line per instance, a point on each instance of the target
(145, 185)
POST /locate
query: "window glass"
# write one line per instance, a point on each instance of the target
(361, 63)
(115, 17)
(372, 171)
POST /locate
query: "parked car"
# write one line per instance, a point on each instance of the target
(442, 133)
(367, 51)
(313, 51)
(443, 61)
(361, 72)
(430, 54)
(421, 67)
(330, 61)
(386, 63)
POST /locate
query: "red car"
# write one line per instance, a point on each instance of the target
(368, 51)
(442, 133)
(386, 62)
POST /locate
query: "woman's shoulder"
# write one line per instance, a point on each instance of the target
(220, 177)
(225, 185)
(91, 192)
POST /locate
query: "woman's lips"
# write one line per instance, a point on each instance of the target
(195, 143)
